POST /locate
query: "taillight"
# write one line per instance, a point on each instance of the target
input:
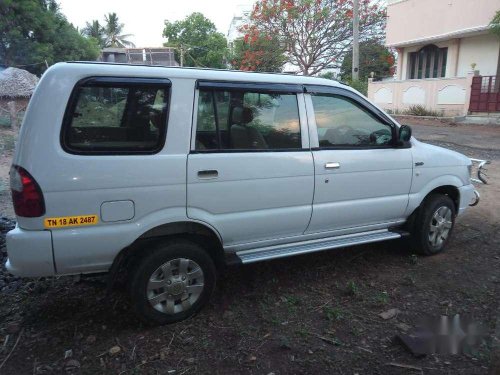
(26, 194)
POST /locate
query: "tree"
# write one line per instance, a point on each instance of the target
(495, 24)
(95, 30)
(495, 30)
(34, 32)
(256, 52)
(113, 32)
(200, 42)
(373, 57)
(316, 33)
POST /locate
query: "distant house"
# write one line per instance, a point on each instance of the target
(240, 18)
(447, 59)
(148, 56)
(16, 88)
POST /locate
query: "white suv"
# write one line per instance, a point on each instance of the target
(169, 174)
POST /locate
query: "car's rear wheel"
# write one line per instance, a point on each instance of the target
(434, 224)
(173, 282)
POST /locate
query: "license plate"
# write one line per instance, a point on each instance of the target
(70, 221)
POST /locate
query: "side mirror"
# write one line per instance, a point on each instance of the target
(404, 133)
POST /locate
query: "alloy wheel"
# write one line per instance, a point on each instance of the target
(175, 286)
(440, 226)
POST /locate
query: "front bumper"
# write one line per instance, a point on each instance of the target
(477, 199)
(30, 253)
(468, 197)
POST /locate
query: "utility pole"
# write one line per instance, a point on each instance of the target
(182, 55)
(355, 41)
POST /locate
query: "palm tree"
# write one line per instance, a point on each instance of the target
(95, 30)
(113, 31)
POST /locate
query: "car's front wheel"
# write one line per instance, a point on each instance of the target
(434, 224)
(172, 282)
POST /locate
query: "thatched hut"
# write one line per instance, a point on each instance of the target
(16, 88)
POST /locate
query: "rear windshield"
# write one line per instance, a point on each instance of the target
(117, 116)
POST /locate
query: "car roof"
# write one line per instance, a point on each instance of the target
(100, 68)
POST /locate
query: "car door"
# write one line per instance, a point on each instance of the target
(250, 170)
(362, 177)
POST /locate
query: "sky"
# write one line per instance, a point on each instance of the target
(145, 18)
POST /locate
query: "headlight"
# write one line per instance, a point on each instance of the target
(469, 167)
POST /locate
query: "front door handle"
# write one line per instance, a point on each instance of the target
(208, 174)
(332, 165)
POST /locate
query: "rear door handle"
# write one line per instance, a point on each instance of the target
(208, 174)
(332, 165)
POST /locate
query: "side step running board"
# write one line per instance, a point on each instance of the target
(280, 251)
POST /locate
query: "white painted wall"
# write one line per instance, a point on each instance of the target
(482, 50)
(425, 21)
(449, 96)
(414, 95)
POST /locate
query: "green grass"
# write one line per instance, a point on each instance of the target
(7, 143)
(333, 313)
(352, 288)
(5, 119)
(382, 298)
(413, 258)
(4, 187)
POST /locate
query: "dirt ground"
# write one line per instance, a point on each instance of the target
(314, 314)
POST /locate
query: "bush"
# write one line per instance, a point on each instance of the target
(361, 86)
(420, 110)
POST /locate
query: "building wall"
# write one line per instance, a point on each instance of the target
(412, 20)
(482, 50)
(240, 18)
(449, 96)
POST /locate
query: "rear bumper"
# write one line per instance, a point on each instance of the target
(467, 197)
(29, 253)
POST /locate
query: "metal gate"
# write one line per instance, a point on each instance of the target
(485, 95)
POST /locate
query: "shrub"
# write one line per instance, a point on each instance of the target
(420, 110)
(361, 86)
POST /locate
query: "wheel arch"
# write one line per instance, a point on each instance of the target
(449, 190)
(445, 184)
(201, 233)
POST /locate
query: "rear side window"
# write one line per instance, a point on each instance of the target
(247, 120)
(111, 115)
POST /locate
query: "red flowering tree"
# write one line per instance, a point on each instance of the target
(257, 52)
(316, 34)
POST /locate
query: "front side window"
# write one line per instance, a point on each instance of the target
(344, 123)
(246, 120)
(122, 117)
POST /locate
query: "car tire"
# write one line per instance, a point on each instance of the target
(172, 282)
(433, 224)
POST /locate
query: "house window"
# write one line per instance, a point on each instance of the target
(429, 62)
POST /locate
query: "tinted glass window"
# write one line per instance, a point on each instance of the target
(117, 119)
(341, 122)
(247, 121)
